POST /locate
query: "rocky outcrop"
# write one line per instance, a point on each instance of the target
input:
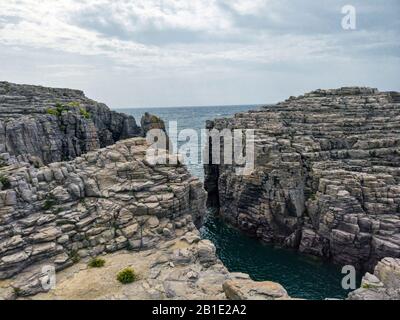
(241, 287)
(184, 268)
(110, 203)
(113, 203)
(174, 269)
(326, 177)
(104, 201)
(57, 124)
(384, 284)
(151, 122)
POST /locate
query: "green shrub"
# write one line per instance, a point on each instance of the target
(60, 108)
(367, 286)
(49, 203)
(96, 263)
(84, 113)
(57, 110)
(74, 104)
(126, 276)
(52, 112)
(5, 182)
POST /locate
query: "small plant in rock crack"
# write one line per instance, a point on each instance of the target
(57, 110)
(367, 286)
(84, 113)
(74, 104)
(74, 256)
(61, 108)
(97, 263)
(52, 112)
(17, 291)
(5, 182)
(126, 276)
(49, 203)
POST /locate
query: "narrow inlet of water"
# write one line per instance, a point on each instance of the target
(302, 276)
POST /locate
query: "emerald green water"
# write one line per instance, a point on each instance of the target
(302, 277)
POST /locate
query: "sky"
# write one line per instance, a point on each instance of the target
(144, 53)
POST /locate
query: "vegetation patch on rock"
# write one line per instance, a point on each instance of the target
(49, 203)
(126, 276)
(5, 182)
(97, 263)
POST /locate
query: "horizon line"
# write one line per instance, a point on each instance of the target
(194, 106)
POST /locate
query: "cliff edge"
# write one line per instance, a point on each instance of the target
(57, 124)
(326, 179)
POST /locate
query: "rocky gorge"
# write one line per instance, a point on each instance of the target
(76, 185)
(326, 180)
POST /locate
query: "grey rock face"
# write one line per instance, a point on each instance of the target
(104, 201)
(57, 124)
(384, 284)
(149, 122)
(326, 177)
(111, 202)
(243, 288)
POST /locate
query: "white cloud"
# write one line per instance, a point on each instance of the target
(248, 7)
(226, 37)
(50, 24)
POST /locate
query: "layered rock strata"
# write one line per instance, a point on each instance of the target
(383, 284)
(326, 179)
(110, 203)
(104, 201)
(57, 124)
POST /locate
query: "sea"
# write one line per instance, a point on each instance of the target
(302, 276)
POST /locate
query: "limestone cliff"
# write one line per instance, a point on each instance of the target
(57, 124)
(326, 178)
(109, 202)
(104, 201)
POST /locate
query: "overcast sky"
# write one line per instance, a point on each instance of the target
(141, 53)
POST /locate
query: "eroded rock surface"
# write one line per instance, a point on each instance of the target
(57, 124)
(383, 284)
(326, 178)
(184, 268)
(109, 203)
(172, 270)
(104, 201)
(112, 203)
(241, 287)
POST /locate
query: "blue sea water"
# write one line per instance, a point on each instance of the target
(302, 276)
